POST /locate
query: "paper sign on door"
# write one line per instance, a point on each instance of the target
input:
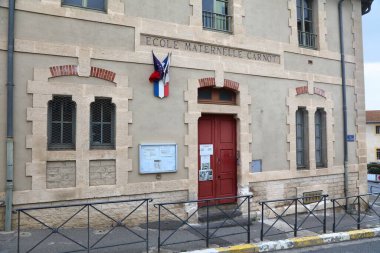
(206, 149)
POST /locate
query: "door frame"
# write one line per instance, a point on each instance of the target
(243, 138)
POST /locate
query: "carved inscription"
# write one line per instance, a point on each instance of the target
(196, 47)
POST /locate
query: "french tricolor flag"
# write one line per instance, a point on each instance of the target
(160, 77)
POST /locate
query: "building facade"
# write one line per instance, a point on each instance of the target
(373, 136)
(255, 99)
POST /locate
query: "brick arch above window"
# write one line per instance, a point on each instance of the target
(72, 70)
(210, 82)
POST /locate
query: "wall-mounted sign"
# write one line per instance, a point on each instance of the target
(350, 137)
(198, 47)
(157, 158)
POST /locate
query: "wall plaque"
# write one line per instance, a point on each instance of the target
(157, 158)
(198, 47)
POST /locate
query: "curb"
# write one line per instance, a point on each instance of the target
(295, 243)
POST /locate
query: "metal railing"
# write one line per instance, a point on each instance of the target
(306, 39)
(296, 224)
(88, 245)
(210, 231)
(216, 21)
(356, 209)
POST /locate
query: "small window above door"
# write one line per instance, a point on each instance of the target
(210, 95)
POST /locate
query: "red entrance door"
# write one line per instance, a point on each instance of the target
(219, 130)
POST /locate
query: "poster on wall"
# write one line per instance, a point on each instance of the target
(205, 175)
(157, 158)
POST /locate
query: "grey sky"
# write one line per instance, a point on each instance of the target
(371, 38)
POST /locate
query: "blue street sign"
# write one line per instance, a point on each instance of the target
(350, 137)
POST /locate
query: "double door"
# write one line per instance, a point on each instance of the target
(220, 132)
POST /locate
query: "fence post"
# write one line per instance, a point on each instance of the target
(324, 214)
(358, 222)
(207, 223)
(147, 226)
(18, 231)
(159, 227)
(296, 218)
(333, 215)
(262, 222)
(249, 220)
(88, 228)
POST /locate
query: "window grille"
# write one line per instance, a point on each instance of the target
(377, 129)
(99, 5)
(102, 123)
(306, 35)
(320, 138)
(301, 138)
(61, 123)
(215, 15)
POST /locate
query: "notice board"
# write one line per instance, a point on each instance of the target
(157, 158)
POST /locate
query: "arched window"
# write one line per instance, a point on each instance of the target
(302, 140)
(61, 123)
(102, 123)
(210, 95)
(320, 138)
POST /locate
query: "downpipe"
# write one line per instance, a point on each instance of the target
(10, 141)
(344, 98)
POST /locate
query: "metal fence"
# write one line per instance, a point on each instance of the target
(354, 211)
(85, 210)
(296, 219)
(209, 232)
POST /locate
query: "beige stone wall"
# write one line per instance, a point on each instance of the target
(102, 172)
(373, 142)
(112, 41)
(56, 216)
(60, 174)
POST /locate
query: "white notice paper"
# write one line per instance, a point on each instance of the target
(205, 162)
(206, 149)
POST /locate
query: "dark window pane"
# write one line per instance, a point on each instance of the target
(55, 110)
(95, 4)
(73, 2)
(107, 112)
(226, 95)
(96, 134)
(208, 5)
(107, 134)
(55, 133)
(67, 112)
(204, 93)
(96, 111)
(67, 133)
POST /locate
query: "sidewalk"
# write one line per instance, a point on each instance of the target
(58, 243)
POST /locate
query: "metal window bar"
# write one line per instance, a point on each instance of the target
(56, 230)
(102, 123)
(210, 233)
(353, 209)
(216, 21)
(297, 224)
(307, 39)
(300, 137)
(61, 128)
(318, 139)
